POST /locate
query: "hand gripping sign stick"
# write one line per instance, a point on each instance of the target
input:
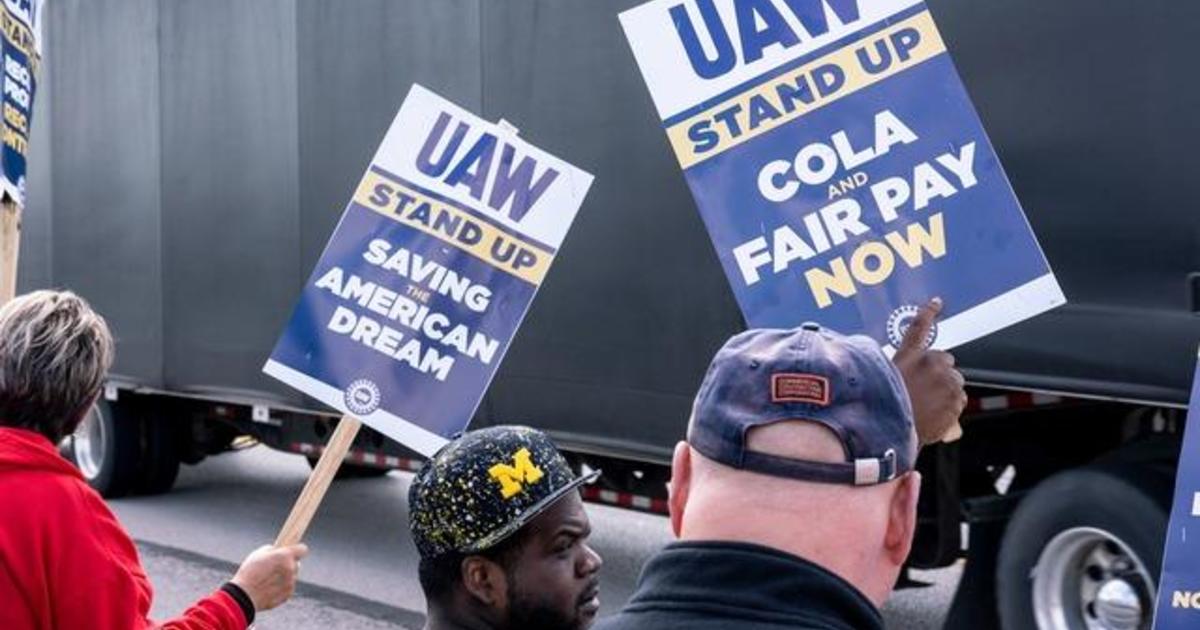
(318, 482)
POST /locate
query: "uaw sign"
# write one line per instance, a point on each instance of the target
(422, 286)
(21, 21)
(839, 165)
(1178, 605)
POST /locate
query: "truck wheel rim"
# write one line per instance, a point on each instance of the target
(1089, 579)
(90, 442)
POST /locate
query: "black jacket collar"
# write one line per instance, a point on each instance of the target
(753, 582)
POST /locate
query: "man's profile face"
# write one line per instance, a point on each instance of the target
(554, 582)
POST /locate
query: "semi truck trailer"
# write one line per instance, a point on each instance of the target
(189, 160)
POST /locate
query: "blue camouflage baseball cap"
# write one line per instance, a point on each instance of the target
(844, 383)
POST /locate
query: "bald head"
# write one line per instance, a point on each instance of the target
(862, 533)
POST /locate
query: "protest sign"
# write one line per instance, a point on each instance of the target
(424, 282)
(21, 20)
(1178, 606)
(21, 48)
(839, 165)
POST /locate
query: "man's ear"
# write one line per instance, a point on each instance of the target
(485, 581)
(902, 518)
(679, 486)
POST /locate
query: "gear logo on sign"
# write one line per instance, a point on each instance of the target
(362, 397)
(899, 321)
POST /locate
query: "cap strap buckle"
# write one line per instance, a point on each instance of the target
(873, 470)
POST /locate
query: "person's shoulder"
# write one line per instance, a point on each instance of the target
(65, 505)
(42, 506)
(44, 488)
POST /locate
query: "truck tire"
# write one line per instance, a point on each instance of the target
(106, 448)
(1084, 549)
(160, 457)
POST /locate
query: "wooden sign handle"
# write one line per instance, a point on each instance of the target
(318, 482)
(10, 243)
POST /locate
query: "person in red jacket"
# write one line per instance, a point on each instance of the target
(65, 561)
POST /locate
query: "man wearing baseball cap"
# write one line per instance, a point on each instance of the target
(794, 496)
(499, 523)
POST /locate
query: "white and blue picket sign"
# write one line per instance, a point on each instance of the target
(839, 165)
(21, 22)
(1178, 605)
(422, 286)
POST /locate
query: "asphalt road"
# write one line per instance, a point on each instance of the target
(362, 571)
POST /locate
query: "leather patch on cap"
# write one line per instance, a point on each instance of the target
(803, 388)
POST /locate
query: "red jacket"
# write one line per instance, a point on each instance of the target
(65, 561)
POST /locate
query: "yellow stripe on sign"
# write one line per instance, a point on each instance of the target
(783, 99)
(451, 225)
(17, 33)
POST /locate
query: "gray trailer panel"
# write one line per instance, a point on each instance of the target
(621, 332)
(104, 147)
(231, 234)
(262, 116)
(1090, 116)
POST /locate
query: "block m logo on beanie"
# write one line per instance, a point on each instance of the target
(512, 479)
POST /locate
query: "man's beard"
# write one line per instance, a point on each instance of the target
(528, 613)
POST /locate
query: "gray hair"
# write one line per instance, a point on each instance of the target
(54, 354)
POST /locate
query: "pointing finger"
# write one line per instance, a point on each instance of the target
(919, 328)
